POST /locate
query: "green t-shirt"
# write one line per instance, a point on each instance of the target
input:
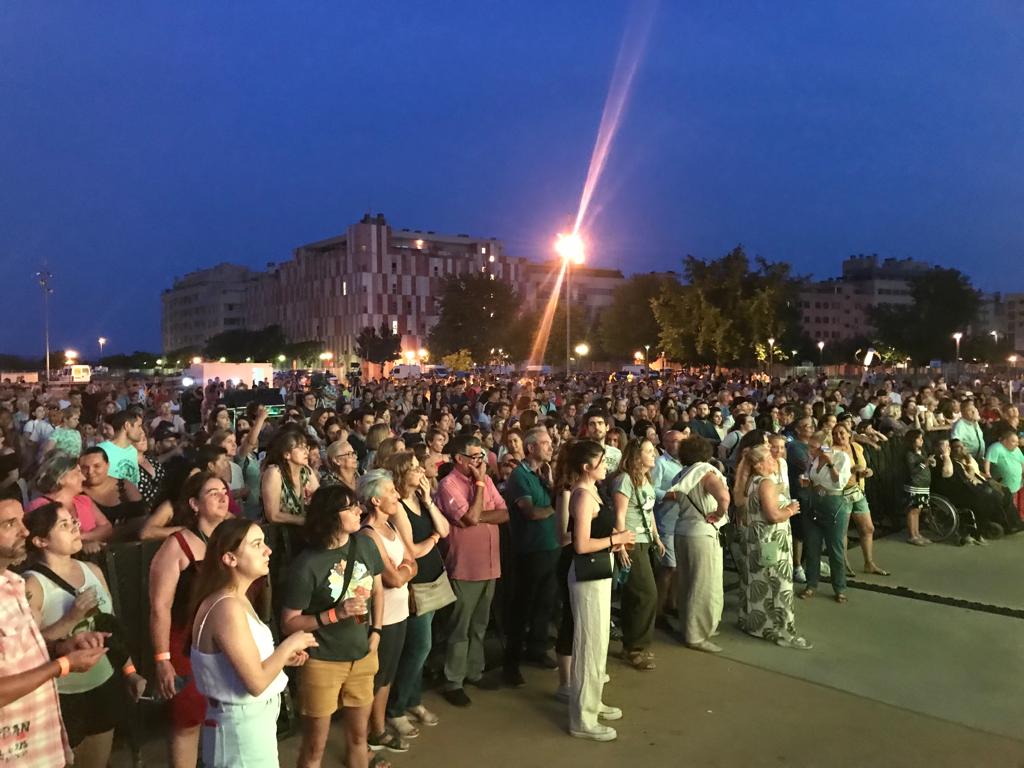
(530, 535)
(639, 506)
(1006, 465)
(314, 584)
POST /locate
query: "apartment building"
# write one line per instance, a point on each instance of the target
(204, 303)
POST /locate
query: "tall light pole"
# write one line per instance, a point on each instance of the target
(582, 350)
(102, 342)
(44, 276)
(570, 248)
(771, 357)
(821, 353)
(957, 336)
(647, 356)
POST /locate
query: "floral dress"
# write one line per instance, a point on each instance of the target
(769, 588)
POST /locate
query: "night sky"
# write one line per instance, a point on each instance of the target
(142, 140)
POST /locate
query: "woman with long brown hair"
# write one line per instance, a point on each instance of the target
(235, 663)
(203, 506)
(633, 496)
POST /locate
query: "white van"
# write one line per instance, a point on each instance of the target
(406, 371)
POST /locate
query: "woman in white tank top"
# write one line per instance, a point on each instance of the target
(234, 660)
(381, 501)
(65, 596)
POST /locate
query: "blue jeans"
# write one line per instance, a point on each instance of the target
(831, 519)
(407, 687)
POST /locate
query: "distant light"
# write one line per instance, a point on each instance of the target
(771, 342)
(638, 355)
(223, 359)
(197, 360)
(582, 349)
(281, 358)
(326, 356)
(570, 247)
(159, 361)
(248, 360)
(419, 243)
(491, 258)
(187, 382)
(70, 354)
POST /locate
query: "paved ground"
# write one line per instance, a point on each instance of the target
(892, 682)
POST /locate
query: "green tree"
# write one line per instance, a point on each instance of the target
(458, 361)
(240, 344)
(477, 313)
(726, 308)
(378, 346)
(629, 322)
(305, 353)
(944, 302)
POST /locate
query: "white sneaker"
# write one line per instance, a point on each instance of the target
(600, 733)
(705, 645)
(799, 575)
(562, 694)
(609, 713)
(403, 727)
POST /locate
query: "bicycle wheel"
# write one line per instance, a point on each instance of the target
(939, 519)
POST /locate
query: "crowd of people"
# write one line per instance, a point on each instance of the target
(372, 528)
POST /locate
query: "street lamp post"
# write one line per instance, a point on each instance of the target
(956, 337)
(582, 350)
(102, 342)
(821, 353)
(570, 248)
(44, 277)
(771, 358)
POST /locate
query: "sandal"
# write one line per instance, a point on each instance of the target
(807, 594)
(874, 570)
(640, 660)
(379, 761)
(385, 740)
(840, 597)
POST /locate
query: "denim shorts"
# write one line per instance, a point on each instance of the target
(241, 735)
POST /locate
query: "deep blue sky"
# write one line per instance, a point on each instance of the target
(141, 140)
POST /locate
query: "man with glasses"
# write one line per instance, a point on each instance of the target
(468, 498)
(535, 542)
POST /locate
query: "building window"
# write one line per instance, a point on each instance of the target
(344, 287)
(394, 327)
(394, 268)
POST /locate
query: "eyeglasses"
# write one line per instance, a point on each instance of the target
(475, 457)
(345, 455)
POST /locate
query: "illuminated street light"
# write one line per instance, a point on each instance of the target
(994, 335)
(326, 357)
(570, 248)
(410, 356)
(196, 360)
(159, 361)
(102, 342)
(223, 360)
(638, 356)
(422, 354)
(1013, 360)
(281, 358)
(70, 354)
(582, 349)
(957, 336)
(771, 356)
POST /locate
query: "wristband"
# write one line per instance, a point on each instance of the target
(65, 666)
(375, 630)
(165, 656)
(319, 621)
(128, 669)
(332, 616)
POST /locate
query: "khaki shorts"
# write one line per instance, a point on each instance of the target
(326, 685)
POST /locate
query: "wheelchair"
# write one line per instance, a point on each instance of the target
(941, 519)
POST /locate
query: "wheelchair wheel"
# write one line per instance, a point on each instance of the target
(940, 519)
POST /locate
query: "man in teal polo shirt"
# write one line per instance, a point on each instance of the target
(535, 544)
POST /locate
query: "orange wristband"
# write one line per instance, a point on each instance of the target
(479, 483)
(332, 616)
(65, 666)
(165, 656)
(128, 669)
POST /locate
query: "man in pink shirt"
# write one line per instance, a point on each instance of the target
(468, 498)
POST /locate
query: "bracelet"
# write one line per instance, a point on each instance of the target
(128, 669)
(480, 484)
(375, 630)
(65, 666)
(165, 656)
(332, 616)
(319, 621)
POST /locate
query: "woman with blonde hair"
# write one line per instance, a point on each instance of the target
(769, 587)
